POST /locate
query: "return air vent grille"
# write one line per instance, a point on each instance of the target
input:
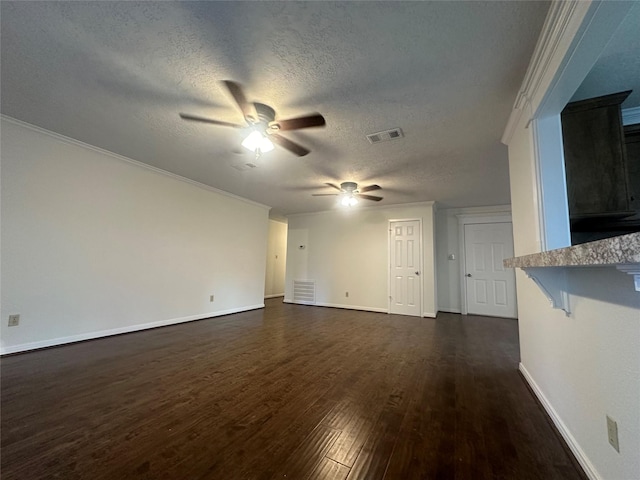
(385, 136)
(304, 291)
(244, 166)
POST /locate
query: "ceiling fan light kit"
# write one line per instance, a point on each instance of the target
(349, 201)
(262, 119)
(257, 142)
(350, 194)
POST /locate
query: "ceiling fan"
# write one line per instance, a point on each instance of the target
(262, 120)
(350, 193)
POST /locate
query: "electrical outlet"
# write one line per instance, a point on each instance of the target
(612, 431)
(211, 298)
(14, 320)
(346, 294)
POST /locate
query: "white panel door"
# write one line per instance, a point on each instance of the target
(491, 288)
(405, 268)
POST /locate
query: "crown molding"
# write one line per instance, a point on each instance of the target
(78, 143)
(563, 21)
(349, 210)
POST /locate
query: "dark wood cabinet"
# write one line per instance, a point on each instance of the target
(595, 160)
(632, 143)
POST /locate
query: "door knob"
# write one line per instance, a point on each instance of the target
(468, 275)
(418, 273)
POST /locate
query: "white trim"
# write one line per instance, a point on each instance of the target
(338, 305)
(429, 315)
(631, 116)
(274, 295)
(492, 209)
(351, 307)
(420, 261)
(634, 271)
(572, 38)
(498, 217)
(449, 310)
(551, 200)
(587, 30)
(555, 39)
(371, 207)
(78, 143)
(282, 221)
(578, 453)
(471, 219)
(552, 282)
(23, 347)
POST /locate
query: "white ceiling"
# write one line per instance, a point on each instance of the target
(116, 74)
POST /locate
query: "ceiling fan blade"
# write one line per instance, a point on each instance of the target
(370, 188)
(248, 109)
(333, 185)
(308, 121)
(325, 194)
(195, 118)
(369, 197)
(289, 145)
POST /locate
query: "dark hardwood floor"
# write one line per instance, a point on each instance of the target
(289, 392)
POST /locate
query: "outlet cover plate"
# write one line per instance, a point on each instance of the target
(14, 320)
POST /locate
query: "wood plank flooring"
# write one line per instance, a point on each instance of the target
(291, 392)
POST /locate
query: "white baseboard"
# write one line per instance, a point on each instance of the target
(429, 314)
(337, 305)
(23, 347)
(582, 458)
(352, 307)
(274, 295)
(449, 310)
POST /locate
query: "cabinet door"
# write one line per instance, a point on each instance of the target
(632, 142)
(594, 153)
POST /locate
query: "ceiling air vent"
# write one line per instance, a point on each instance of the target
(385, 135)
(244, 166)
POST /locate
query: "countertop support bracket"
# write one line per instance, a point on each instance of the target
(553, 283)
(634, 271)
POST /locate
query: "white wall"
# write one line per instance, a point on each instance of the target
(276, 259)
(93, 244)
(586, 365)
(347, 250)
(447, 243)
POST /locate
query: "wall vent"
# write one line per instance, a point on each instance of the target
(304, 291)
(385, 136)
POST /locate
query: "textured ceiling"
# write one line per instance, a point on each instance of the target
(116, 75)
(618, 68)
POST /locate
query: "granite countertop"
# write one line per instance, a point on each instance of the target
(621, 250)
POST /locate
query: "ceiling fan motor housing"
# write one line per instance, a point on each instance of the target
(266, 114)
(349, 187)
